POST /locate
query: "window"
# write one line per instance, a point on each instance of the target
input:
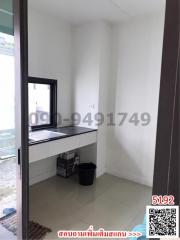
(42, 103)
(7, 97)
(7, 89)
(7, 124)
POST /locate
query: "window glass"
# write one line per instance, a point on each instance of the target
(39, 104)
(7, 126)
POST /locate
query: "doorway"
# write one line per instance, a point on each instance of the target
(13, 127)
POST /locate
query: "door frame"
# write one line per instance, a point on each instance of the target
(168, 91)
(21, 83)
(166, 168)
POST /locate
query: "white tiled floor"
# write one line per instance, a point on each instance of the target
(6, 235)
(111, 203)
(7, 184)
(7, 192)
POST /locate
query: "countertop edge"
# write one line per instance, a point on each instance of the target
(61, 137)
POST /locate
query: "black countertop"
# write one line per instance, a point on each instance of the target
(69, 131)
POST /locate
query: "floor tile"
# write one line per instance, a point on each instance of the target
(111, 203)
(6, 235)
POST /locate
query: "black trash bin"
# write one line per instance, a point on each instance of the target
(86, 173)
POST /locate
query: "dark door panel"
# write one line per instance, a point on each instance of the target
(21, 71)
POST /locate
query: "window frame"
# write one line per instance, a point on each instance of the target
(53, 101)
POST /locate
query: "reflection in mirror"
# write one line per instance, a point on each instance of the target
(39, 103)
(42, 103)
(106, 56)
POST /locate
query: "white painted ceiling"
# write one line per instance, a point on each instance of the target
(77, 11)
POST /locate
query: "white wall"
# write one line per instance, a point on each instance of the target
(50, 56)
(91, 77)
(41, 170)
(136, 62)
(104, 96)
(86, 60)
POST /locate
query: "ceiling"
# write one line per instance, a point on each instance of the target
(77, 11)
